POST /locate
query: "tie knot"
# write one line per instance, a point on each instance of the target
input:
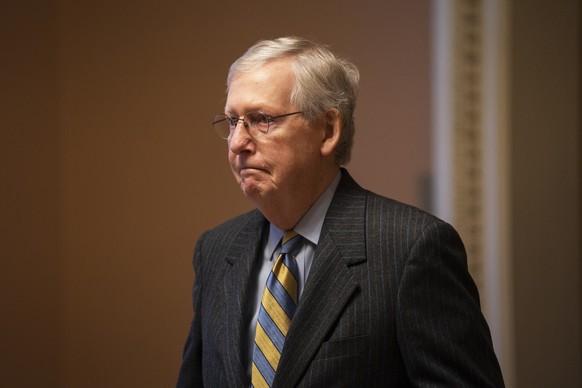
(290, 242)
(288, 236)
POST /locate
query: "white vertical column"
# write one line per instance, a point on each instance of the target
(497, 257)
(491, 241)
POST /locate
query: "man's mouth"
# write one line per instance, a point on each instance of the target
(247, 168)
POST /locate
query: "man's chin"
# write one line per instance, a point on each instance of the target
(256, 185)
(250, 189)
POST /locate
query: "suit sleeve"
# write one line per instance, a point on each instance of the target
(190, 374)
(444, 338)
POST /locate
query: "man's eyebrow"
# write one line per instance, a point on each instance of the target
(231, 113)
(268, 111)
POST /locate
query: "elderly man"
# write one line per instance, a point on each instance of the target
(325, 284)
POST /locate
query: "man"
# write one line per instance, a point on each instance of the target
(376, 293)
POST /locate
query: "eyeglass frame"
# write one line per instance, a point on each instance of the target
(233, 122)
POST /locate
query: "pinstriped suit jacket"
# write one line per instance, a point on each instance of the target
(388, 303)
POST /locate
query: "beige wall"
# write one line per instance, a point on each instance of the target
(110, 170)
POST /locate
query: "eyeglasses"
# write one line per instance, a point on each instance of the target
(256, 123)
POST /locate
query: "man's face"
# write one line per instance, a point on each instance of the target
(284, 164)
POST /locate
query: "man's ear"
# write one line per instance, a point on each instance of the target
(333, 131)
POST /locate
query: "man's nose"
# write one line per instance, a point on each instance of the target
(240, 140)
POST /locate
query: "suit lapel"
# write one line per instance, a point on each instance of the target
(330, 283)
(240, 257)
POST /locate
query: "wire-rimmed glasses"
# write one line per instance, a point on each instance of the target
(256, 123)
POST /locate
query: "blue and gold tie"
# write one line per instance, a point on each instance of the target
(277, 309)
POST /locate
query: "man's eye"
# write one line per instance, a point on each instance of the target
(231, 121)
(261, 118)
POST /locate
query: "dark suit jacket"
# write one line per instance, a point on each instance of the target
(388, 302)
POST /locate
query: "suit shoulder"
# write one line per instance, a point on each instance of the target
(232, 226)
(382, 209)
(217, 242)
(381, 206)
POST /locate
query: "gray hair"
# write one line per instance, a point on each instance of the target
(323, 81)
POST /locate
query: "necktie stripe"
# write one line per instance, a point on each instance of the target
(277, 308)
(268, 348)
(276, 312)
(263, 374)
(272, 331)
(287, 280)
(283, 292)
(283, 299)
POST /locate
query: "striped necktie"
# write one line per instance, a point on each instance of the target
(277, 309)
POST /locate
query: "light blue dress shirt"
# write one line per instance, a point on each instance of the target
(309, 227)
